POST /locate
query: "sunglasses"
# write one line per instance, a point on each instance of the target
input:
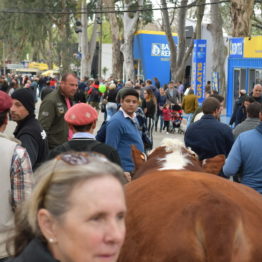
(73, 159)
(79, 158)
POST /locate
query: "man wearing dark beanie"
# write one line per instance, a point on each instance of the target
(28, 129)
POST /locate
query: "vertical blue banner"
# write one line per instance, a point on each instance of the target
(199, 68)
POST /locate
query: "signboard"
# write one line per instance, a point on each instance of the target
(215, 81)
(14, 66)
(236, 47)
(158, 49)
(199, 68)
(152, 53)
(253, 47)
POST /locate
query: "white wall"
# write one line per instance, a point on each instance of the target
(107, 59)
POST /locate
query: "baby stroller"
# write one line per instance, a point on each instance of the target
(176, 119)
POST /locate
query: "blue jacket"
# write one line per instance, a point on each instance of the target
(208, 137)
(246, 154)
(121, 133)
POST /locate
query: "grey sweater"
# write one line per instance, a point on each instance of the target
(247, 124)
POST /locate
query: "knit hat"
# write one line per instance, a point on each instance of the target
(26, 97)
(5, 101)
(81, 114)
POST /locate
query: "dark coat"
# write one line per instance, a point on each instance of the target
(35, 251)
(87, 145)
(33, 138)
(51, 117)
(208, 137)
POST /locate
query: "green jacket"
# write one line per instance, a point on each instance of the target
(51, 117)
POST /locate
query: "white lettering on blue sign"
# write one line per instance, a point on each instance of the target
(160, 50)
(236, 49)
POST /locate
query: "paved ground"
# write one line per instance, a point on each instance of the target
(158, 137)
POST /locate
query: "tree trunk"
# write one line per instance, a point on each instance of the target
(199, 15)
(219, 51)
(170, 39)
(241, 12)
(130, 25)
(87, 48)
(117, 63)
(181, 59)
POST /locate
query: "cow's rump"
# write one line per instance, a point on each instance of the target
(189, 217)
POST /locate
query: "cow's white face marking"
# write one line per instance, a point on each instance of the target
(175, 160)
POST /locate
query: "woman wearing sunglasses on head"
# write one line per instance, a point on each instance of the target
(76, 212)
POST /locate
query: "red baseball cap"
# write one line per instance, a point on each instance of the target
(5, 101)
(81, 114)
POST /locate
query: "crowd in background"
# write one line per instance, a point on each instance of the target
(67, 118)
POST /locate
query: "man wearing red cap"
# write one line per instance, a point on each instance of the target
(82, 119)
(16, 174)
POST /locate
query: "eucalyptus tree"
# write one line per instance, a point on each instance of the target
(125, 18)
(32, 22)
(241, 12)
(116, 28)
(180, 54)
(219, 52)
(21, 30)
(87, 46)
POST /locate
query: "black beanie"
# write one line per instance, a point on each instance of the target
(26, 97)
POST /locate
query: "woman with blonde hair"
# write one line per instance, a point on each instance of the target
(76, 212)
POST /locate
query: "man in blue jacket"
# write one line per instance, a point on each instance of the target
(208, 137)
(122, 129)
(246, 155)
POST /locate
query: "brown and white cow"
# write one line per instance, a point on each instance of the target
(173, 155)
(190, 216)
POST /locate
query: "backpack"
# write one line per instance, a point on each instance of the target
(95, 94)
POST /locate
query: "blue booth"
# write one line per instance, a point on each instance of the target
(244, 67)
(152, 55)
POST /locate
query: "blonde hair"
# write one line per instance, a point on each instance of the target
(112, 86)
(56, 180)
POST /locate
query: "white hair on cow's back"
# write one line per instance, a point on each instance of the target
(172, 144)
(175, 160)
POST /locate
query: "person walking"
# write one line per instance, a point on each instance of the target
(16, 175)
(257, 93)
(53, 109)
(238, 103)
(209, 137)
(28, 129)
(160, 103)
(82, 119)
(172, 94)
(111, 105)
(189, 105)
(149, 106)
(245, 157)
(122, 129)
(252, 120)
(166, 115)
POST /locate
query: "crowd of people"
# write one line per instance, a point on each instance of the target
(47, 151)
